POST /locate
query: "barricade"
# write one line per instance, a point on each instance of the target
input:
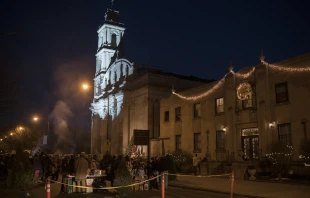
(89, 183)
(232, 182)
(143, 185)
(163, 185)
(48, 189)
(70, 186)
(231, 179)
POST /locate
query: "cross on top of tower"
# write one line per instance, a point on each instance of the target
(112, 1)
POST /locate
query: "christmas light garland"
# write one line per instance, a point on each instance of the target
(245, 75)
(289, 69)
(216, 86)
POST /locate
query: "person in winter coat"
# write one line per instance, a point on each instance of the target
(81, 172)
(64, 171)
(195, 164)
(71, 168)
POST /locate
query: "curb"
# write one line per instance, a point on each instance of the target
(210, 190)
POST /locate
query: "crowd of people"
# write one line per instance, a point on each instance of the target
(81, 165)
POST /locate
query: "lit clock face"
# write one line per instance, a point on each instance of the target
(244, 91)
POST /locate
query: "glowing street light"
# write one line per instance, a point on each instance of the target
(48, 126)
(11, 134)
(1, 140)
(85, 86)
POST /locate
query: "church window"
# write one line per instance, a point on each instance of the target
(115, 76)
(113, 40)
(110, 76)
(127, 70)
(121, 69)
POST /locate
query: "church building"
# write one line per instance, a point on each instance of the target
(126, 96)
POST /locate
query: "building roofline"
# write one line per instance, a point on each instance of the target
(149, 70)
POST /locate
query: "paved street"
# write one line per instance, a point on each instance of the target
(172, 192)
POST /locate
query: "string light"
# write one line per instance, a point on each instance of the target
(289, 69)
(216, 86)
(244, 75)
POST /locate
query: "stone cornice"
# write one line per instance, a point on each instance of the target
(111, 26)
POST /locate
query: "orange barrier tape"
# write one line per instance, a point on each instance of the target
(134, 184)
(106, 188)
(201, 175)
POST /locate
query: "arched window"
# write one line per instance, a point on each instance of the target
(113, 40)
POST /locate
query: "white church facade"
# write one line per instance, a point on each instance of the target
(126, 96)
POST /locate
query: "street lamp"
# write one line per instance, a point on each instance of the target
(85, 86)
(36, 119)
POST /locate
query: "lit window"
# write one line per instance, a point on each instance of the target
(219, 105)
(178, 114)
(248, 102)
(197, 110)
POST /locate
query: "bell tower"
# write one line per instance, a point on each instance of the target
(109, 38)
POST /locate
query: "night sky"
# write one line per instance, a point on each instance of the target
(53, 50)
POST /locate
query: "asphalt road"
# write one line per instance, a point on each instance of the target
(172, 192)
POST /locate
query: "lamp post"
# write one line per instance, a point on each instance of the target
(36, 119)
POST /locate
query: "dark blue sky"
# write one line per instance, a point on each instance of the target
(54, 48)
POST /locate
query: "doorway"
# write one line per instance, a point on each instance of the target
(250, 143)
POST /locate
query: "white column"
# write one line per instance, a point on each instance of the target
(106, 59)
(104, 36)
(118, 39)
(109, 35)
(99, 40)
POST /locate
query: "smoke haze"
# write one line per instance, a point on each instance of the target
(71, 112)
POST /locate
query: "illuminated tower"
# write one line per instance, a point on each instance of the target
(110, 35)
(112, 72)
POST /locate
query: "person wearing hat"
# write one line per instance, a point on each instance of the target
(81, 167)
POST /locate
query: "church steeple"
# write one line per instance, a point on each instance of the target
(110, 35)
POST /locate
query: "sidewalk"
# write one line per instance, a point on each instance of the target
(242, 187)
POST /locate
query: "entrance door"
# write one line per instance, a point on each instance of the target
(250, 147)
(250, 143)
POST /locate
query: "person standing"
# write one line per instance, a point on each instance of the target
(195, 164)
(81, 172)
(64, 171)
